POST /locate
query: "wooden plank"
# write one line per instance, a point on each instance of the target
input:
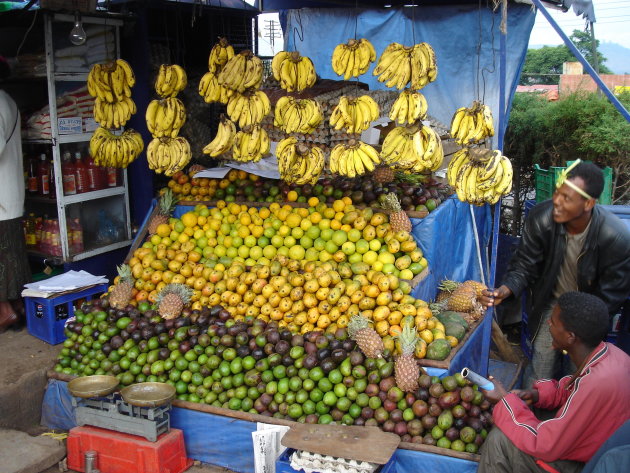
(369, 444)
(418, 447)
(506, 352)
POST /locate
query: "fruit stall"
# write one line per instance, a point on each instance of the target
(344, 292)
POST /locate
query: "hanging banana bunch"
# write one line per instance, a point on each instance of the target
(168, 155)
(480, 175)
(415, 148)
(209, 87)
(171, 80)
(400, 65)
(220, 54)
(353, 159)
(409, 107)
(251, 144)
(165, 117)
(297, 115)
(297, 163)
(224, 139)
(241, 72)
(353, 58)
(111, 85)
(354, 114)
(248, 108)
(294, 72)
(472, 124)
(109, 150)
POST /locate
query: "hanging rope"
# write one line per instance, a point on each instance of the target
(496, 4)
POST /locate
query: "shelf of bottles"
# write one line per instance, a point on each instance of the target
(74, 208)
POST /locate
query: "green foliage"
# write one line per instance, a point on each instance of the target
(544, 65)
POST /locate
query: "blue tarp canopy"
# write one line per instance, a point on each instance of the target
(465, 39)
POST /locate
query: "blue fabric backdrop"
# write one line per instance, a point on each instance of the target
(465, 39)
(446, 237)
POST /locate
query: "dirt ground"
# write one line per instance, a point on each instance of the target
(20, 353)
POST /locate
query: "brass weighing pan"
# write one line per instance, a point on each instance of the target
(93, 386)
(148, 394)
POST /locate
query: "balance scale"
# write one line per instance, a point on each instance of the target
(141, 409)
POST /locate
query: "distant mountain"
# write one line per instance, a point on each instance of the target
(617, 56)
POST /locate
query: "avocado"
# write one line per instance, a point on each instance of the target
(454, 330)
(438, 349)
(451, 316)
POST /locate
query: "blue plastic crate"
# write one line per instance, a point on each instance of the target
(46, 317)
(283, 464)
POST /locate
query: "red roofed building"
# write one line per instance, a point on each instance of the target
(573, 79)
(549, 90)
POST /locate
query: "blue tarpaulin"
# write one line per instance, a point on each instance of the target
(227, 442)
(446, 237)
(465, 39)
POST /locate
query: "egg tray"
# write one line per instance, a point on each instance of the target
(314, 462)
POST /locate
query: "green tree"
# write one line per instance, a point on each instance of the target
(544, 65)
(582, 41)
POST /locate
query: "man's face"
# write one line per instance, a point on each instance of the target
(559, 335)
(568, 205)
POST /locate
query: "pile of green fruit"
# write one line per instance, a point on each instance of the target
(257, 367)
(419, 192)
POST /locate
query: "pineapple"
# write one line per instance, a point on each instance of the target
(464, 298)
(406, 369)
(172, 299)
(384, 174)
(446, 288)
(369, 342)
(121, 293)
(165, 209)
(398, 219)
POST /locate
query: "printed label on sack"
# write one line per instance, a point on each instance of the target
(69, 126)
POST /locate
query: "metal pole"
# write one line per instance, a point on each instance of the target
(594, 48)
(576, 52)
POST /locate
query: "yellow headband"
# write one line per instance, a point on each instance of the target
(563, 178)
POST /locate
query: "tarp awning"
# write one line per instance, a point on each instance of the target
(465, 39)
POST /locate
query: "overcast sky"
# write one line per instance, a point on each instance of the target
(612, 24)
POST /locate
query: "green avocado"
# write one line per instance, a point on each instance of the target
(438, 349)
(449, 316)
(454, 330)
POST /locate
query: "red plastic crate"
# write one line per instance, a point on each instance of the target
(124, 453)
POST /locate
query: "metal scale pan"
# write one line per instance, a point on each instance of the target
(93, 386)
(148, 394)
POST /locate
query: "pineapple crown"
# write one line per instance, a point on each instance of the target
(447, 285)
(407, 339)
(357, 323)
(181, 290)
(167, 202)
(124, 271)
(391, 203)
